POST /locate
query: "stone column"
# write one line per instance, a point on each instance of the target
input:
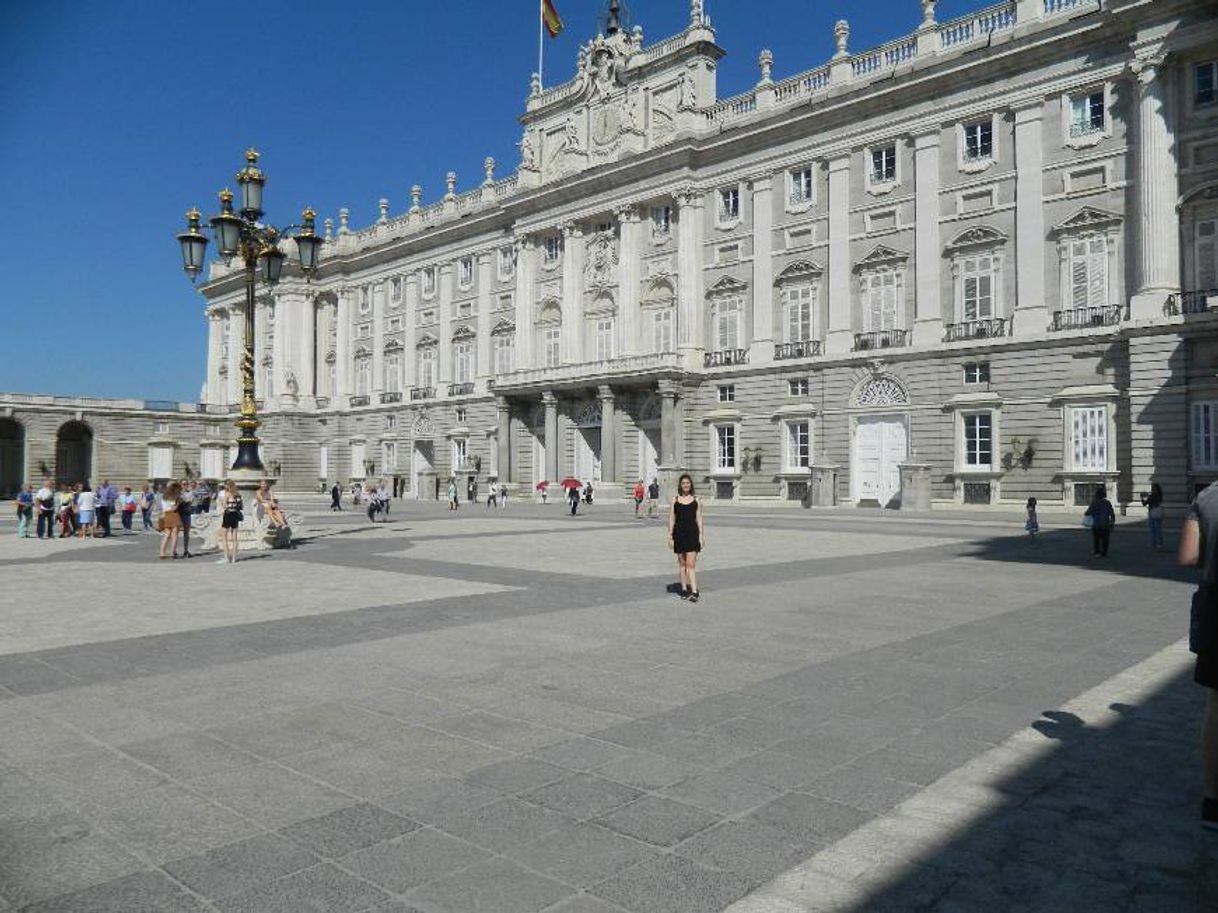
(928, 320)
(840, 338)
(1158, 239)
(306, 357)
(526, 264)
(236, 348)
(410, 357)
(550, 401)
(668, 423)
(212, 393)
(378, 340)
(483, 367)
(343, 353)
(503, 441)
(608, 434)
(573, 293)
(762, 348)
(444, 374)
(628, 291)
(1031, 312)
(690, 337)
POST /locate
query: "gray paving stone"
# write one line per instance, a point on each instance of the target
(704, 748)
(420, 856)
(722, 793)
(638, 733)
(809, 817)
(364, 769)
(582, 753)
(408, 706)
(502, 732)
(503, 824)
(29, 737)
(517, 775)
(648, 771)
(240, 866)
(188, 754)
(143, 892)
(431, 797)
(321, 889)
(774, 769)
(748, 848)
(673, 884)
(348, 830)
(497, 886)
(98, 777)
(275, 735)
(583, 903)
(581, 854)
(582, 796)
(869, 793)
(272, 795)
(662, 822)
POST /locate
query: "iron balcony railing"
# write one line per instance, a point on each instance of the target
(1087, 318)
(358, 401)
(880, 339)
(725, 357)
(391, 397)
(417, 393)
(805, 348)
(463, 389)
(984, 328)
(323, 402)
(1193, 302)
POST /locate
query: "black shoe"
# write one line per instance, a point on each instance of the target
(693, 597)
(685, 591)
(1209, 814)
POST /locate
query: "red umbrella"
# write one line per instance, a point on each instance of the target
(571, 483)
(542, 486)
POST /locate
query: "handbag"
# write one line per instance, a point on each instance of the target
(1089, 521)
(160, 524)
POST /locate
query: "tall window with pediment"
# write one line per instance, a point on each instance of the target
(552, 346)
(604, 339)
(393, 372)
(725, 323)
(883, 293)
(548, 338)
(504, 348)
(1088, 271)
(427, 366)
(663, 320)
(463, 361)
(978, 286)
(798, 312)
(1087, 252)
(363, 375)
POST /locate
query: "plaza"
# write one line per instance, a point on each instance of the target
(507, 711)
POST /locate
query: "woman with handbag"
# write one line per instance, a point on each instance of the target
(1153, 503)
(170, 522)
(1100, 518)
(232, 512)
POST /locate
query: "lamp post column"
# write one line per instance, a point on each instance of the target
(247, 424)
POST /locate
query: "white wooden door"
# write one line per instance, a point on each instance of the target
(879, 449)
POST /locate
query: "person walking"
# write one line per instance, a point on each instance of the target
(374, 503)
(573, 499)
(232, 512)
(492, 495)
(1102, 518)
(356, 489)
(1199, 548)
(170, 522)
(638, 497)
(653, 498)
(1032, 525)
(67, 513)
(686, 535)
(146, 500)
(382, 495)
(44, 499)
(503, 495)
(86, 513)
(127, 503)
(453, 502)
(336, 498)
(106, 498)
(1153, 502)
(25, 511)
(186, 510)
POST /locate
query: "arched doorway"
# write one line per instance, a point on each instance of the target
(12, 457)
(73, 453)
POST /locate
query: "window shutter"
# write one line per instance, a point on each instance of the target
(1078, 279)
(1207, 255)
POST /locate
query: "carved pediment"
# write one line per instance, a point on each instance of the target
(978, 236)
(462, 332)
(427, 339)
(394, 345)
(363, 352)
(727, 285)
(660, 293)
(799, 270)
(601, 268)
(881, 255)
(1088, 219)
(503, 326)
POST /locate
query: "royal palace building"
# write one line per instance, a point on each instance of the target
(974, 265)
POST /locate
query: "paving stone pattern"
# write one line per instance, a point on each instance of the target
(455, 715)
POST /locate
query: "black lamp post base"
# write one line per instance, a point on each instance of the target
(247, 456)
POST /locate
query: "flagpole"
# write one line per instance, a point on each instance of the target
(541, 40)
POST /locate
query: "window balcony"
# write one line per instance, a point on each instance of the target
(358, 401)
(880, 339)
(1088, 318)
(805, 348)
(725, 357)
(985, 328)
(464, 389)
(634, 367)
(1193, 302)
(393, 397)
(418, 393)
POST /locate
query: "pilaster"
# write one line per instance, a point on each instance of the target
(483, 367)
(307, 351)
(526, 265)
(629, 259)
(928, 320)
(343, 352)
(668, 423)
(573, 293)
(444, 363)
(690, 337)
(378, 338)
(214, 329)
(1031, 314)
(762, 347)
(410, 360)
(236, 348)
(840, 338)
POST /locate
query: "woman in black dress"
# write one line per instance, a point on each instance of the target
(686, 535)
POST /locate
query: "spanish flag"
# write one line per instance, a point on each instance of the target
(549, 16)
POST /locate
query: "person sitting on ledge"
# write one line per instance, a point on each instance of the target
(270, 507)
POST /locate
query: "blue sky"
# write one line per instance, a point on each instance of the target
(118, 116)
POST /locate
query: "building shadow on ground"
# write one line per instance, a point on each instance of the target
(1107, 820)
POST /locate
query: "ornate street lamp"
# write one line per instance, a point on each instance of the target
(241, 234)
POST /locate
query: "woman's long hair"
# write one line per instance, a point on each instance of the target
(685, 477)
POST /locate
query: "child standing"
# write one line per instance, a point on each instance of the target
(1033, 524)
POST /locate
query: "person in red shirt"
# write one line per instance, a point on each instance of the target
(638, 497)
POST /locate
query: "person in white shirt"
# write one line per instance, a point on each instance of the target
(86, 513)
(382, 495)
(492, 495)
(44, 503)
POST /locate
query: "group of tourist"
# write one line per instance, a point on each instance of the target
(79, 510)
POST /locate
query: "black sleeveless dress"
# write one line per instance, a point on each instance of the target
(685, 528)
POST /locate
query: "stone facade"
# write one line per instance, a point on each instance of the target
(980, 258)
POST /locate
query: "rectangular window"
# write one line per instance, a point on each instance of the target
(391, 422)
(463, 358)
(363, 331)
(604, 339)
(1087, 113)
(977, 288)
(462, 415)
(507, 262)
(727, 325)
(393, 374)
(506, 302)
(1205, 84)
(389, 455)
(505, 358)
(1089, 428)
(979, 141)
(553, 347)
(395, 288)
(881, 300)
(661, 220)
(1207, 255)
(427, 366)
(798, 452)
(1205, 435)
(884, 164)
(725, 447)
(162, 427)
(977, 372)
(467, 271)
(460, 452)
(727, 393)
(394, 323)
(429, 281)
(465, 308)
(553, 249)
(661, 330)
(979, 440)
(797, 386)
(797, 313)
(363, 377)
(799, 186)
(729, 204)
(1089, 272)
(365, 299)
